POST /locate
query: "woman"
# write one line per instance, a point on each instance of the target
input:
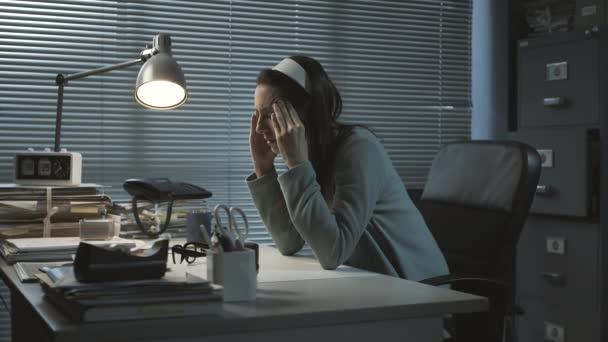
(341, 193)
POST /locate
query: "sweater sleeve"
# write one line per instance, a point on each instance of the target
(359, 180)
(268, 199)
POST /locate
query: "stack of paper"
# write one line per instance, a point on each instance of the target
(23, 209)
(27, 271)
(176, 294)
(51, 249)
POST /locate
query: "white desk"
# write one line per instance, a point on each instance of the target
(296, 301)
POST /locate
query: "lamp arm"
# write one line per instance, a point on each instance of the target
(62, 80)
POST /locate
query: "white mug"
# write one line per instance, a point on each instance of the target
(235, 271)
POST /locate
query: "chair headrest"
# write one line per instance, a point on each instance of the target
(476, 173)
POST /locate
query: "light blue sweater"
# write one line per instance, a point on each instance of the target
(373, 224)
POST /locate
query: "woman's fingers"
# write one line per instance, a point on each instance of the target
(254, 124)
(292, 119)
(276, 126)
(282, 108)
(253, 134)
(290, 133)
(280, 116)
(293, 115)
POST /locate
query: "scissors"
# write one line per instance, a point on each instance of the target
(233, 228)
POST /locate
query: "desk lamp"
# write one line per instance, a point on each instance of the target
(160, 85)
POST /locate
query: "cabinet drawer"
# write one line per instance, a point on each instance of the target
(568, 183)
(557, 83)
(557, 262)
(543, 322)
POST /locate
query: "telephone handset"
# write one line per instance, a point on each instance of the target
(161, 190)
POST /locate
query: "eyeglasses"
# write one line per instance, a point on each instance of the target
(189, 252)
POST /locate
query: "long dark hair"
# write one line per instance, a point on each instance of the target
(319, 106)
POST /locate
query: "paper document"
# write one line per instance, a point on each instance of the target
(62, 243)
(27, 270)
(65, 279)
(20, 186)
(26, 205)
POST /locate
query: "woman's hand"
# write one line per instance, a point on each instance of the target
(261, 154)
(290, 133)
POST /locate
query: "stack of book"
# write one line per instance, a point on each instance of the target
(177, 294)
(23, 209)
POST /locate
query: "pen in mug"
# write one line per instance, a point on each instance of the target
(215, 243)
(222, 239)
(227, 238)
(205, 235)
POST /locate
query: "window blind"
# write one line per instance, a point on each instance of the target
(403, 69)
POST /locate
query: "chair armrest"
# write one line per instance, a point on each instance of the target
(512, 309)
(455, 279)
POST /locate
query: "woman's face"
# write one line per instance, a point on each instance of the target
(264, 97)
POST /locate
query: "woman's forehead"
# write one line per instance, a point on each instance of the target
(264, 96)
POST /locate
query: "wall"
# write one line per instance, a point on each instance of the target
(490, 76)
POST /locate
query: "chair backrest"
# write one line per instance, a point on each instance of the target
(476, 199)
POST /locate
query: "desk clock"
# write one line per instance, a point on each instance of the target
(48, 168)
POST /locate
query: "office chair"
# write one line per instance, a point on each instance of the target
(476, 199)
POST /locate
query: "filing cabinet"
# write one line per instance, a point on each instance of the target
(559, 263)
(553, 87)
(561, 255)
(569, 181)
(547, 322)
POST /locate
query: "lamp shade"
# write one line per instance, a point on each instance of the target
(161, 83)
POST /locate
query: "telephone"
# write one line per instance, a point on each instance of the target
(161, 190)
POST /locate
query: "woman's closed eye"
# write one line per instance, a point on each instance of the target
(264, 115)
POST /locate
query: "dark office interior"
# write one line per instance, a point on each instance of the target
(492, 112)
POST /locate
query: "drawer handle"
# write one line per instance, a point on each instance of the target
(554, 101)
(544, 190)
(554, 278)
